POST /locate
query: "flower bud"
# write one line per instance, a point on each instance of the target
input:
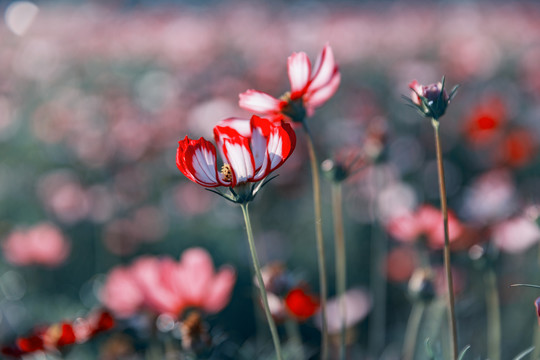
(430, 100)
(421, 286)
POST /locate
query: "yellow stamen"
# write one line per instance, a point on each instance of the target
(226, 171)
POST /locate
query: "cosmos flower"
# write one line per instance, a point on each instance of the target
(310, 88)
(250, 150)
(164, 286)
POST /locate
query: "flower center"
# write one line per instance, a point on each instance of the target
(226, 171)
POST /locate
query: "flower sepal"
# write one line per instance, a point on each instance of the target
(242, 193)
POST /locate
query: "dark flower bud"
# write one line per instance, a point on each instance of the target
(421, 285)
(430, 100)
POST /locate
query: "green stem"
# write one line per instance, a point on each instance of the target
(340, 260)
(493, 316)
(262, 289)
(448, 271)
(295, 338)
(413, 327)
(320, 241)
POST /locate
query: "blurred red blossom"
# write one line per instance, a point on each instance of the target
(518, 148)
(486, 119)
(164, 286)
(54, 337)
(41, 244)
(300, 304)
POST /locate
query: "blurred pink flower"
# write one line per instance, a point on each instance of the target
(200, 285)
(310, 88)
(164, 286)
(426, 221)
(42, 244)
(358, 304)
(120, 293)
(515, 235)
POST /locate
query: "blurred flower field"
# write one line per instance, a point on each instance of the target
(110, 252)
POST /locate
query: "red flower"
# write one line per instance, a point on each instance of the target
(310, 88)
(59, 335)
(250, 151)
(300, 304)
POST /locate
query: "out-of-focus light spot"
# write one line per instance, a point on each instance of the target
(165, 323)
(20, 15)
(155, 89)
(406, 153)
(395, 200)
(452, 176)
(12, 285)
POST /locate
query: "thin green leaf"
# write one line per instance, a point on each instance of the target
(463, 352)
(522, 354)
(526, 285)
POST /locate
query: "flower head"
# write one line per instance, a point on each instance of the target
(250, 151)
(310, 88)
(41, 244)
(430, 100)
(165, 286)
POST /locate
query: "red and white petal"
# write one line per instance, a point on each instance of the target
(417, 89)
(281, 145)
(240, 126)
(197, 160)
(324, 69)
(259, 102)
(239, 157)
(260, 130)
(321, 95)
(299, 68)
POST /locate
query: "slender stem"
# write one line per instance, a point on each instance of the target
(413, 327)
(295, 338)
(262, 289)
(493, 316)
(320, 241)
(378, 283)
(340, 260)
(448, 271)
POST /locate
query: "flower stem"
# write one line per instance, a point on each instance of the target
(448, 271)
(413, 327)
(262, 289)
(320, 241)
(340, 260)
(493, 316)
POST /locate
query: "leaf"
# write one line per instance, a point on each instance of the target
(463, 352)
(524, 353)
(526, 285)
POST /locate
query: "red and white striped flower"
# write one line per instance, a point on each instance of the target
(250, 150)
(310, 88)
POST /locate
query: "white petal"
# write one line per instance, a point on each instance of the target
(299, 68)
(259, 102)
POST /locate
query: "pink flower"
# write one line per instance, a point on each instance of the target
(42, 244)
(250, 150)
(164, 286)
(310, 88)
(200, 285)
(121, 293)
(426, 221)
(515, 235)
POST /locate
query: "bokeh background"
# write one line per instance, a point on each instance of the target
(95, 96)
